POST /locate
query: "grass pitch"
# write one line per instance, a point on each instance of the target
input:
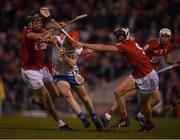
(45, 128)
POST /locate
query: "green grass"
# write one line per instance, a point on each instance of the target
(20, 127)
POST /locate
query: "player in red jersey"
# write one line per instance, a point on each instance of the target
(144, 77)
(155, 49)
(34, 71)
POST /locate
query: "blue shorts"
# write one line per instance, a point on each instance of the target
(70, 79)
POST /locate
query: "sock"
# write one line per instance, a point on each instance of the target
(94, 117)
(123, 115)
(61, 123)
(140, 115)
(107, 116)
(110, 112)
(82, 117)
(38, 100)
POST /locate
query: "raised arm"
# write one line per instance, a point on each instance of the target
(146, 48)
(41, 36)
(98, 47)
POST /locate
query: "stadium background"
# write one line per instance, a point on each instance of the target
(101, 70)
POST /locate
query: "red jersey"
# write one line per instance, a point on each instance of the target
(155, 53)
(136, 58)
(33, 52)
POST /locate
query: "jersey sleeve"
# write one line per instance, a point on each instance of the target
(149, 49)
(120, 47)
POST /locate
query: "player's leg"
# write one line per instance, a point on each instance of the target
(34, 80)
(49, 84)
(147, 111)
(52, 88)
(121, 89)
(82, 92)
(168, 108)
(106, 117)
(49, 107)
(65, 90)
(156, 98)
(148, 85)
(108, 114)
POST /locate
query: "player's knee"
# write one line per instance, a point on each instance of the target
(85, 99)
(158, 99)
(67, 95)
(118, 93)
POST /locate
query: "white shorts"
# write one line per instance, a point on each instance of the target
(148, 83)
(35, 79)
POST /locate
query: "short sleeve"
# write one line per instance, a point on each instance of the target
(150, 46)
(120, 47)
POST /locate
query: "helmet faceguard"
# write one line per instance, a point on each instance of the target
(164, 36)
(121, 34)
(34, 22)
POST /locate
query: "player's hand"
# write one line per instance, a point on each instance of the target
(174, 65)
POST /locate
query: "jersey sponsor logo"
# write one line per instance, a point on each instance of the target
(40, 46)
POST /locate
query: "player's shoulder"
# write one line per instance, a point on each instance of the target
(128, 41)
(24, 32)
(169, 45)
(152, 41)
(25, 29)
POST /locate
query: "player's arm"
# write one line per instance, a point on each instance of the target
(71, 61)
(48, 33)
(87, 52)
(40, 36)
(146, 48)
(98, 47)
(169, 60)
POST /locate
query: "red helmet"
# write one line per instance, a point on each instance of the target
(74, 34)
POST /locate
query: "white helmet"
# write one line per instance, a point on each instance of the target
(124, 32)
(165, 31)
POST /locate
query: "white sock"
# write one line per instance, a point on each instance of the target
(107, 116)
(61, 123)
(38, 100)
(140, 115)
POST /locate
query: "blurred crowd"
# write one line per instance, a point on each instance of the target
(143, 17)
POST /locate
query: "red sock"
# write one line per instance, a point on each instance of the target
(110, 112)
(123, 115)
